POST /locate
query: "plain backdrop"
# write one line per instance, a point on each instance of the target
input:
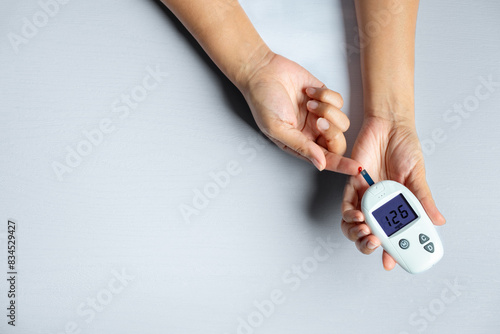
(106, 247)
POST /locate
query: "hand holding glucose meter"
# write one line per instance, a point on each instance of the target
(396, 217)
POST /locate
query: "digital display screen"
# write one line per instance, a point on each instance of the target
(394, 215)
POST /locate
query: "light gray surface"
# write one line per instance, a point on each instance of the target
(120, 208)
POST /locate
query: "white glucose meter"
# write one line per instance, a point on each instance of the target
(396, 217)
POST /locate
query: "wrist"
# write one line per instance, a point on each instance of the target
(256, 60)
(398, 111)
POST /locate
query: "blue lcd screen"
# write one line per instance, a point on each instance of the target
(394, 215)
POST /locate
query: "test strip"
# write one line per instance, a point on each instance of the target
(367, 177)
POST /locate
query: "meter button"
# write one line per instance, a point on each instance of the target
(423, 238)
(429, 247)
(404, 244)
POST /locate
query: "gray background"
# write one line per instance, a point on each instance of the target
(119, 210)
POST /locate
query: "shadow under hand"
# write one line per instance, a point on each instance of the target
(234, 99)
(326, 200)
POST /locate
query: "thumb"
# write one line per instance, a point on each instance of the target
(422, 191)
(295, 140)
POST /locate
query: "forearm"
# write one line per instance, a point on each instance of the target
(387, 43)
(224, 31)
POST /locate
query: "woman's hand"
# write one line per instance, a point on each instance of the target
(299, 114)
(274, 87)
(388, 150)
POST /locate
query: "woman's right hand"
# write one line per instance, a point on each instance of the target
(299, 114)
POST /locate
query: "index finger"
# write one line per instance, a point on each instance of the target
(340, 164)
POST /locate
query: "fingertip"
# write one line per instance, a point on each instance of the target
(351, 166)
(435, 215)
(322, 124)
(372, 245)
(368, 244)
(318, 164)
(359, 219)
(440, 219)
(340, 164)
(353, 216)
(310, 91)
(312, 104)
(388, 261)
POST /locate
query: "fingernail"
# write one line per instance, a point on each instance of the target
(312, 104)
(310, 90)
(317, 164)
(357, 220)
(362, 233)
(323, 124)
(371, 245)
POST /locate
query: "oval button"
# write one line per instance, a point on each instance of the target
(404, 244)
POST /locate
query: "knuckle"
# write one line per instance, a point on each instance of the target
(271, 131)
(343, 144)
(301, 150)
(329, 113)
(298, 148)
(346, 123)
(339, 119)
(353, 233)
(335, 137)
(339, 99)
(322, 94)
(358, 246)
(341, 149)
(332, 97)
(336, 143)
(282, 146)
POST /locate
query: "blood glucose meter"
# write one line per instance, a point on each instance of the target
(396, 217)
